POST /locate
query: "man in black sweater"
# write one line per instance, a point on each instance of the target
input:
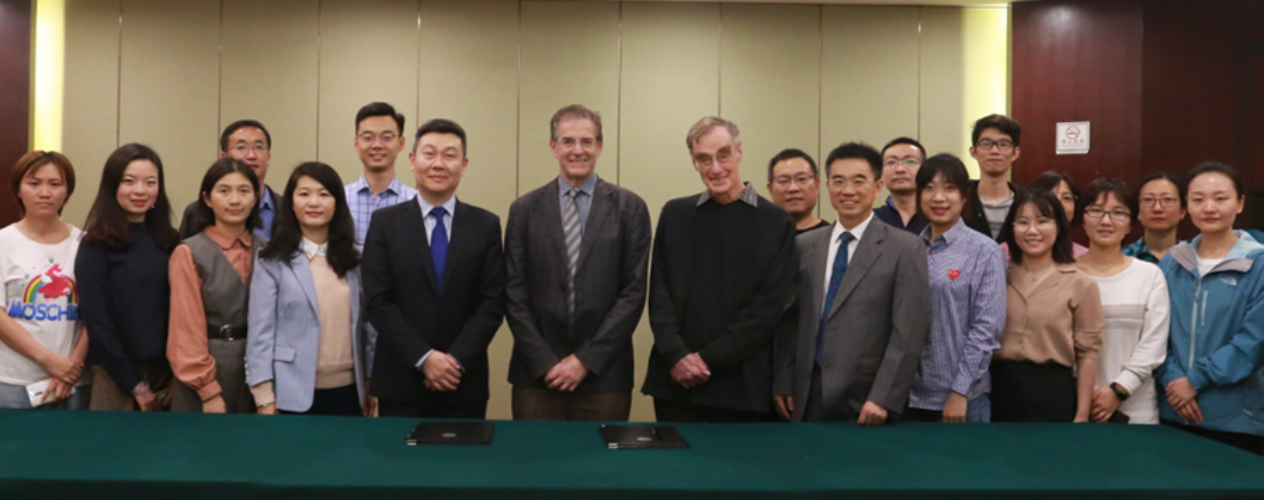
(722, 276)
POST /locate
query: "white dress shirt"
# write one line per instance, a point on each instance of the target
(857, 233)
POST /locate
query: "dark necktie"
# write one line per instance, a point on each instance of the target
(439, 244)
(836, 279)
(574, 232)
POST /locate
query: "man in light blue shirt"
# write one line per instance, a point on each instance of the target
(379, 140)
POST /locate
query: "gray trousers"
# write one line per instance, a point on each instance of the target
(230, 372)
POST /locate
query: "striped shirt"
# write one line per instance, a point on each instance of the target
(967, 285)
(363, 203)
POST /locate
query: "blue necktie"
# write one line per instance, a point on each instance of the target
(439, 244)
(836, 279)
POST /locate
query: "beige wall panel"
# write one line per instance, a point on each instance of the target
(270, 75)
(368, 52)
(570, 55)
(90, 116)
(770, 81)
(869, 77)
(944, 123)
(671, 69)
(170, 87)
(480, 38)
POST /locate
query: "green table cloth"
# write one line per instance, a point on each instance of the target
(133, 455)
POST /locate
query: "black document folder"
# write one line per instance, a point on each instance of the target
(635, 437)
(451, 433)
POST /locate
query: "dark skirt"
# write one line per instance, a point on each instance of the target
(1028, 392)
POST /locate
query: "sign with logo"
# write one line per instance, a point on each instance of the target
(1072, 138)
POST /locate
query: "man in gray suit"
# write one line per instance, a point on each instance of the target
(576, 256)
(864, 297)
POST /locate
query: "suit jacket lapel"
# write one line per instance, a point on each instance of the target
(551, 217)
(867, 252)
(303, 272)
(603, 197)
(456, 238)
(416, 238)
(815, 254)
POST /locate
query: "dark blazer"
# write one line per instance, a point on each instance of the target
(610, 285)
(876, 329)
(190, 215)
(973, 213)
(413, 316)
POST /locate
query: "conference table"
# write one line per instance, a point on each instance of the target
(133, 455)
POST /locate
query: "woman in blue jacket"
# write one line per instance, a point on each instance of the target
(1212, 377)
(306, 352)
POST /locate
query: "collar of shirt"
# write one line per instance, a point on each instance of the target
(426, 206)
(265, 201)
(748, 195)
(857, 232)
(313, 250)
(949, 236)
(564, 188)
(362, 185)
(225, 241)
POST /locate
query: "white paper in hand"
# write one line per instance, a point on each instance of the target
(37, 390)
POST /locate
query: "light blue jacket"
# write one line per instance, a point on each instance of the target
(1217, 335)
(284, 337)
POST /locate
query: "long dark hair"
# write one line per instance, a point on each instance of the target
(107, 221)
(286, 232)
(1047, 205)
(219, 169)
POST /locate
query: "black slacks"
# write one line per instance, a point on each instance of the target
(1028, 392)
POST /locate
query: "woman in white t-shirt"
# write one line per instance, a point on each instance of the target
(1135, 304)
(41, 358)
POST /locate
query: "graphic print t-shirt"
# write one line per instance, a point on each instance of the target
(39, 294)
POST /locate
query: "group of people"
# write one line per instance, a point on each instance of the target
(954, 301)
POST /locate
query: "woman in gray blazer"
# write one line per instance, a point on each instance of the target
(307, 353)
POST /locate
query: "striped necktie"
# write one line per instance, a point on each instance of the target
(574, 233)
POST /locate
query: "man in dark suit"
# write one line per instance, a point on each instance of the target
(248, 141)
(434, 281)
(576, 257)
(864, 302)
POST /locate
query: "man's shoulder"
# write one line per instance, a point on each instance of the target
(390, 212)
(475, 213)
(532, 197)
(899, 236)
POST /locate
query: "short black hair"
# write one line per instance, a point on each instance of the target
(791, 153)
(1212, 167)
(1049, 180)
(951, 167)
(858, 150)
(1111, 185)
(441, 126)
(379, 108)
(905, 140)
(1005, 124)
(1046, 205)
(1160, 175)
(240, 124)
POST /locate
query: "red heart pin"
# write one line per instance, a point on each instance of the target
(954, 273)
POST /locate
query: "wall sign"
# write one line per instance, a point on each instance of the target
(1073, 138)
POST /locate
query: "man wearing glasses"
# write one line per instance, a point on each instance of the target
(379, 140)
(995, 146)
(721, 280)
(795, 185)
(250, 142)
(901, 159)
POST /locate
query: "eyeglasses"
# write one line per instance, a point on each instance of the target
(703, 162)
(370, 138)
(1115, 215)
(1165, 202)
(1040, 223)
(784, 181)
(986, 144)
(908, 162)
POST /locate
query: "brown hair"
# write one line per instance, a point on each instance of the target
(575, 111)
(707, 123)
(31, 162)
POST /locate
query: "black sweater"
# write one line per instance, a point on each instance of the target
(722, 277)
(124, 300)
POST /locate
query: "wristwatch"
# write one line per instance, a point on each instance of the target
(1119, 391)
(141, 388)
